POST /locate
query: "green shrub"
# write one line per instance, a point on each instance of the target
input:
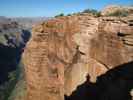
(120, 13)
(59, 15)
(98, 14)
(68, 14)
(92, 11)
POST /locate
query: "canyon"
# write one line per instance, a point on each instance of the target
(13, 39)
(63, 51)
(82, 56)
(14, 34)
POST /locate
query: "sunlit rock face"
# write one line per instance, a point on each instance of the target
(49, 52)
(64, 50)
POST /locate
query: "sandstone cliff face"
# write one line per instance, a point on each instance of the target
(64, 50)
(49, 52)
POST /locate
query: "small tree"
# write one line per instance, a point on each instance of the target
(68, 14)
(92, 11)
(60, 15)
(119, 13)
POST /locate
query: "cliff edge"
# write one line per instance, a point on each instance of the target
(64, 50)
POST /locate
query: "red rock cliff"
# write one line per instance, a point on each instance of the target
(64, 50)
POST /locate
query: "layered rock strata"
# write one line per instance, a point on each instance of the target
(64, 50)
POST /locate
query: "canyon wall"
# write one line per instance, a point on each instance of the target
(64, 50)
(13, 39)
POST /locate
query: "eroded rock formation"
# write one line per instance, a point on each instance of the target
(64, 50)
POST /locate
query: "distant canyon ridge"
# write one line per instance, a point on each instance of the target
(14, 34)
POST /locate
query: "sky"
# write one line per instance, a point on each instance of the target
(49, 8)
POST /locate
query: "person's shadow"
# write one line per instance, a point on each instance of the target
(115, 84)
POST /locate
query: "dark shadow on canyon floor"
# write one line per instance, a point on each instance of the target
(10, 55)
(115, 84)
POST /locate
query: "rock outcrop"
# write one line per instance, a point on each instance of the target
(64, 50)
(114, 8)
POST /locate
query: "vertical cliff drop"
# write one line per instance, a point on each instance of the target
(62, 51)
(49, 52)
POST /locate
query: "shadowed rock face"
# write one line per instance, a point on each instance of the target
(12, 41)
(115, 84)
(64, 50)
